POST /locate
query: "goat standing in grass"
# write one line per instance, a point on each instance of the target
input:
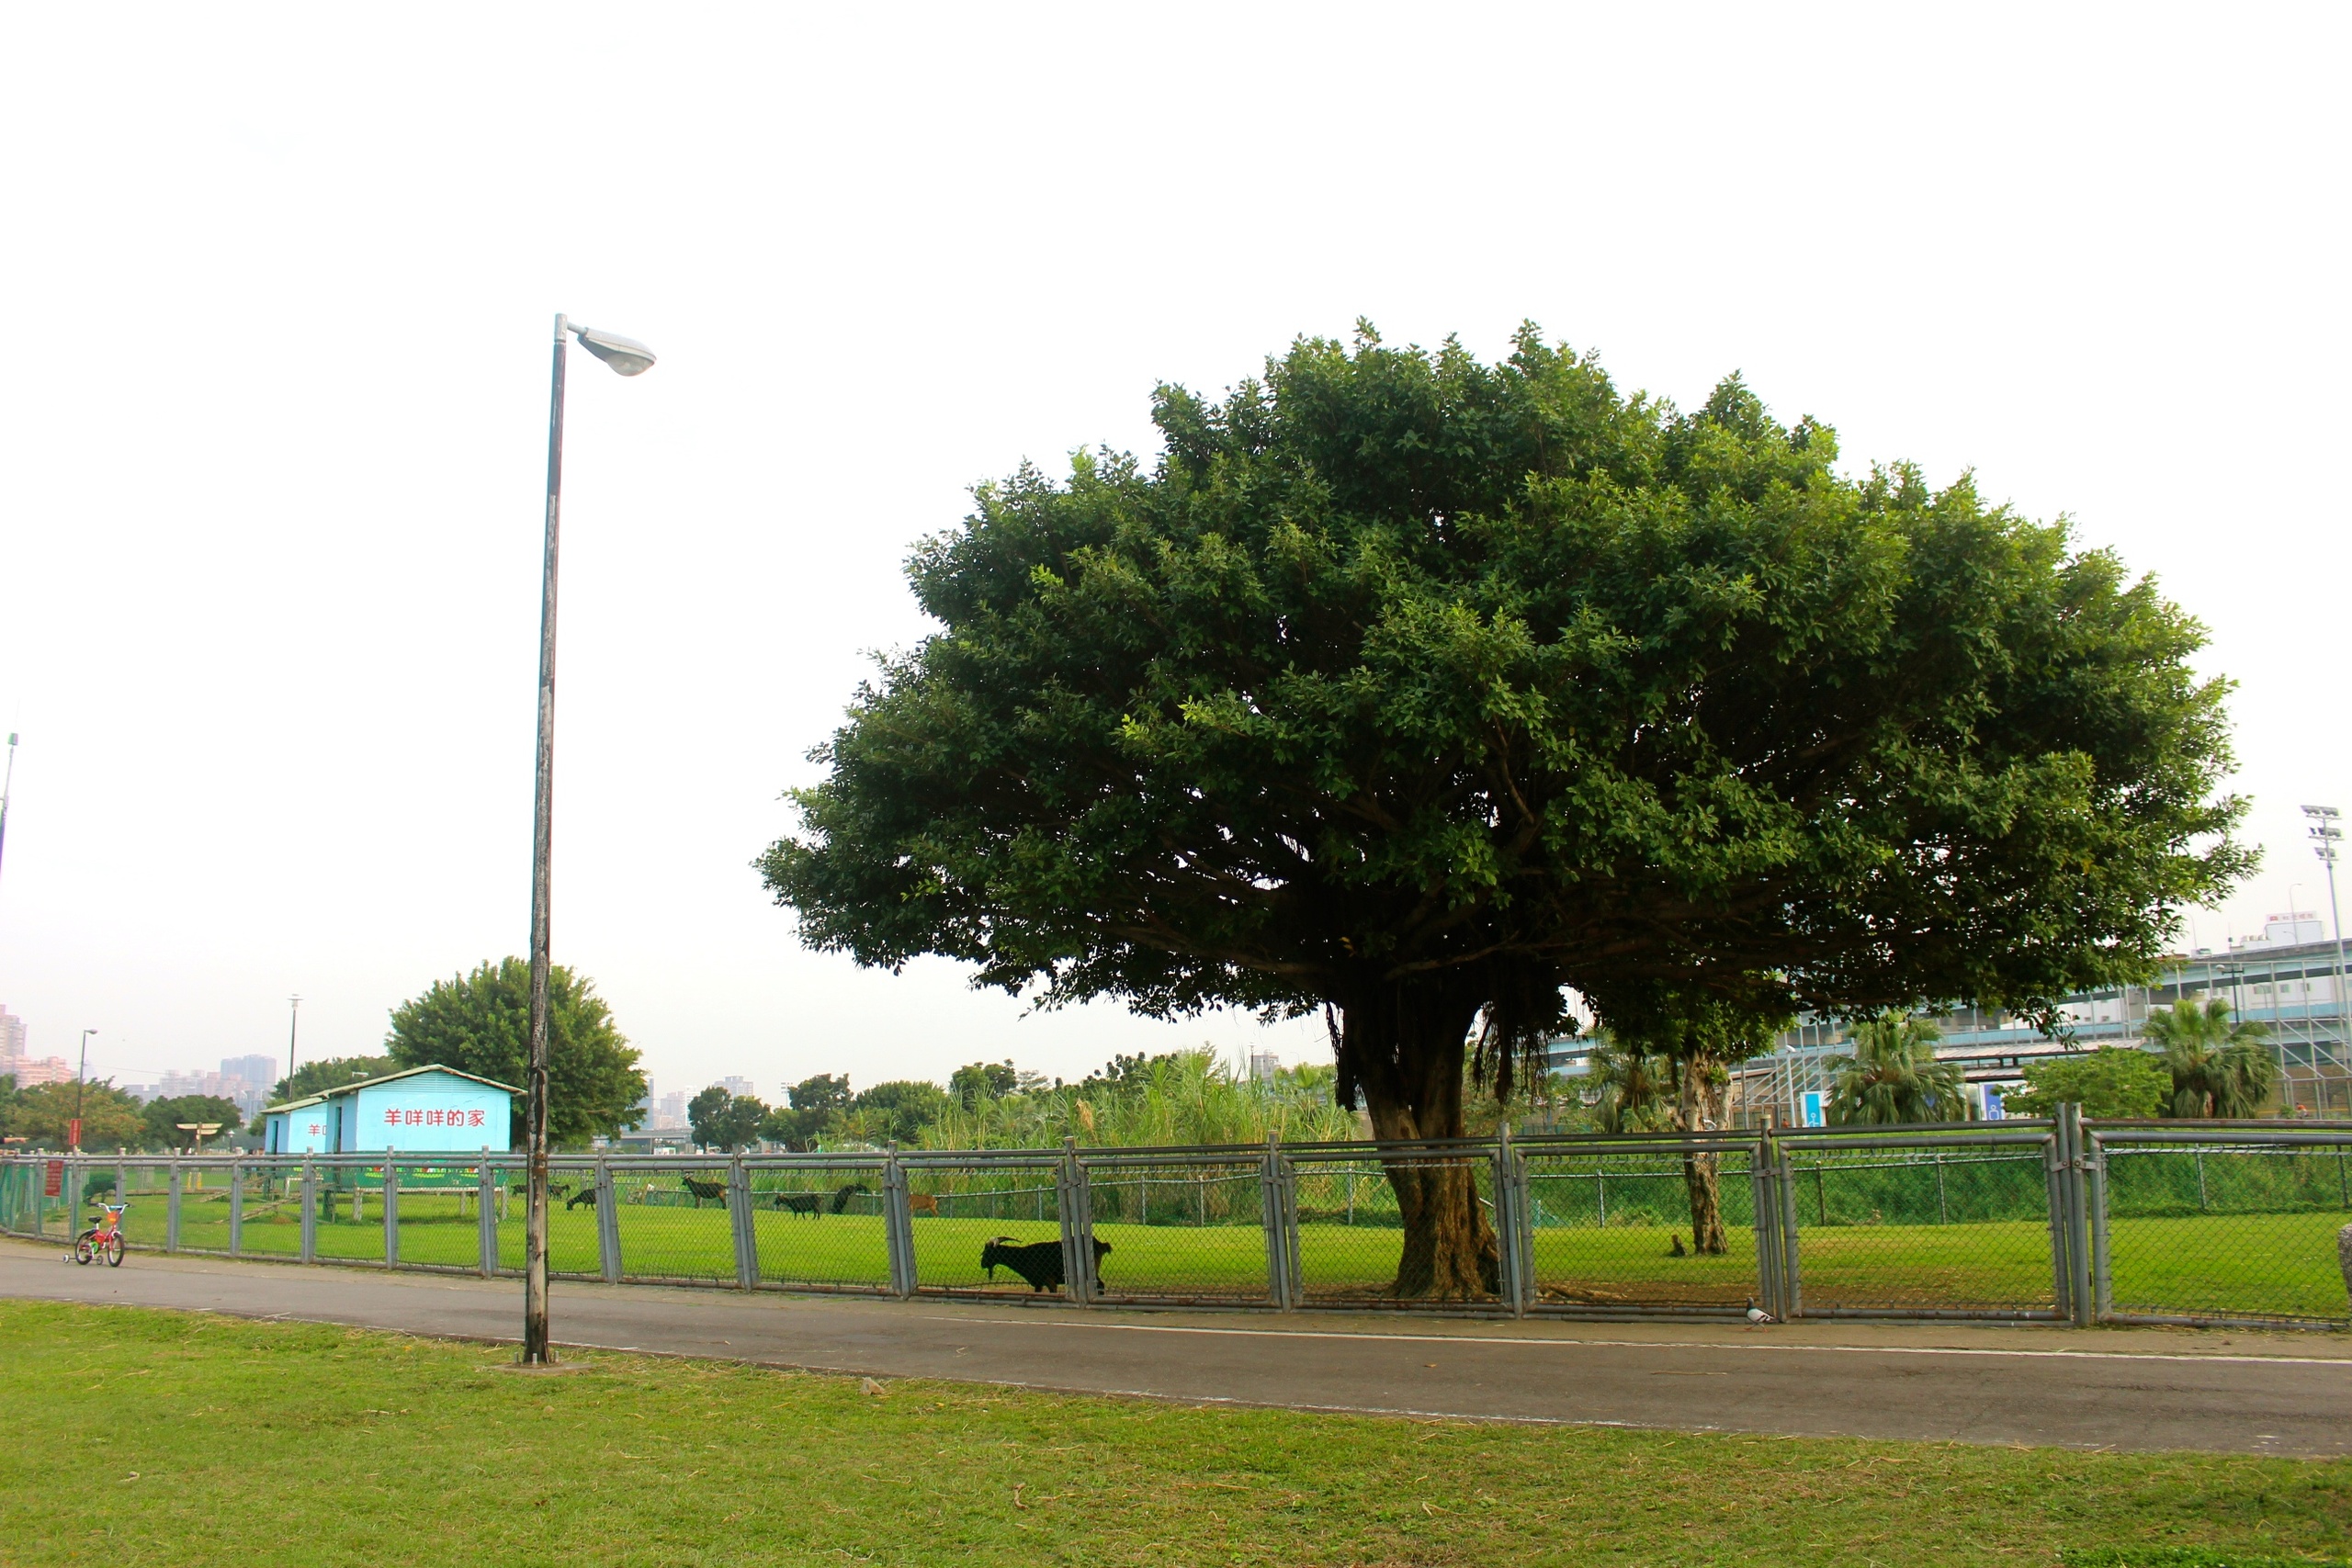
(1039, 1262)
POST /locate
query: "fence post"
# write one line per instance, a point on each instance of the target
(392, 1206)
(897, 1227)
(1761, 1200)
(310, 1213)
(2053, 1164)
(171, 1206)
(608, 1223)
(738, 1214)
(1086, 1288)
(236, 1207)
(1510, 1223)
(486, 1217)
(1278, 1201)
(2102, 1275)
(1791, 1245)
(2078, 1225)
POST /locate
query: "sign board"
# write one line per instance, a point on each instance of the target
(1810, 1109)
(73, 1133)
(1992, 1111)
(53, 1182)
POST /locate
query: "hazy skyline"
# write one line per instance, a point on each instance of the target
(281, 285)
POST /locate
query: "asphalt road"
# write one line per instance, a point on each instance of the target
(2222, 1391)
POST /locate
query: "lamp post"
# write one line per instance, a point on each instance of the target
(293, 1026)
(2325, 838)
(629, 358)
(6, 784)
(74, 1137)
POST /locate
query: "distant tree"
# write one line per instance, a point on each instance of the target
(723, 1121)
(2219, 1069)
(317, 1078)
(163, 1116)
(1894, 1076)
(479, 1023)
(110, 1119)
(975, 1084)
(896, 1112)
(824, 1094)
(1633, 1089)
(2115, 1081)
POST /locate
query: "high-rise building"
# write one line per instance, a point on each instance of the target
(12, 1036)
(736, 1085)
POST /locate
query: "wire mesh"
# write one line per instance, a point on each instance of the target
(960, 1215)
(1177, 1232)
(820, 1226)
(1962, 1230)
(1645, 1228)
(673, 1223)
(204, 1205)
(436, 1208)
(2230, 1231)
(144, 1185)
(270, 1212)
(1355, 1246)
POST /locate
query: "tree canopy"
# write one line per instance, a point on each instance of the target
(479, 1023)
(110, 1118)
(1420, 689)
(163, 1117)
(2219, 1067)
(2115, 1080)
(720, 1119)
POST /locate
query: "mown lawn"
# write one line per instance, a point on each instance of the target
(149, 1437)
(2265, 1265)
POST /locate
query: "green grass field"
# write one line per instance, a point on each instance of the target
(2251, 1265)
(144, 1438)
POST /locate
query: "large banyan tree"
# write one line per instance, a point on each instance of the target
(1422, 690)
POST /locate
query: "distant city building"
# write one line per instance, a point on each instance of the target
(12, 1036)
(670, 1110)
(1263, 1065)
(735, 1085)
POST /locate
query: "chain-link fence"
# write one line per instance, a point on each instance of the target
(1647, 1228)
(2052, 1220)
(1959, 1225)
(2237, 1225)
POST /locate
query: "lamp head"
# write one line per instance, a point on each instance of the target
(625, 355)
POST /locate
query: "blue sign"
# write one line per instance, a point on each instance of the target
(1992, 1111)
(1810, 1109)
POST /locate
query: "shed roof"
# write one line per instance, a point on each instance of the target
(358, 1084)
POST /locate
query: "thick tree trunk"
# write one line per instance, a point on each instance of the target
(1403, 1052)
(1700, 1109)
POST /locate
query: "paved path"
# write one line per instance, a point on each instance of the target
(2226, 1391)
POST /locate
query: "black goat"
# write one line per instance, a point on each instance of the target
(797, 1204)
(586, 1195)
(1039, 1262)
(841, 1198)
(702, 1189)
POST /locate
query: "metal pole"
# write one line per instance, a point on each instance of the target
(535, 1211)
(293, 1028)
(79, 1074)
(7, 783)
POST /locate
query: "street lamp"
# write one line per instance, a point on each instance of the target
(630, 358)
(2326, 837)
(73, 1133)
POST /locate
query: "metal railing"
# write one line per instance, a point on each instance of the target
(2056, 1221)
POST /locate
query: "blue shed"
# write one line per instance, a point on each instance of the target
(423, 1111)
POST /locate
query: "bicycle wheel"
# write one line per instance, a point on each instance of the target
(81, 1249)
(114, 1252)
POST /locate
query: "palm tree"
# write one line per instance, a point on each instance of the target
(1894, 1076)
(1637, 1088)
(2220, 1068)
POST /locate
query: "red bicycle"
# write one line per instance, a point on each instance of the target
(103, 1239)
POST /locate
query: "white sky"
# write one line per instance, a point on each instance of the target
(278, 284)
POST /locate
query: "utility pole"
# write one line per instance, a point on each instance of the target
(2326, 836)
(73, 1141)
(7, 783)
(293, 1022)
